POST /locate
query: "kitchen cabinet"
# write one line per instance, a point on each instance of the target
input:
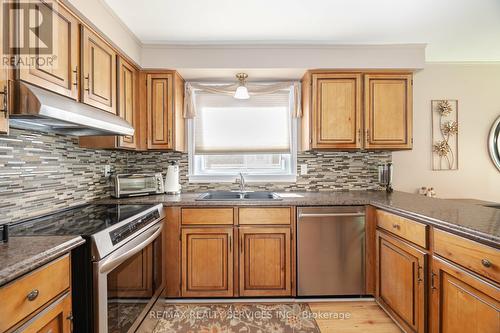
(56, 318)
(207, 262)
(165, 103)
(33, 300)
(98, 75)
(128, 109)
(259, 262)
(388, 111)
(462, 301)
(479, 258)
(336, 110)
(400, 281)
(4, 82)
(59, 70)
(134, 277)
(265, 261)
(335, 116)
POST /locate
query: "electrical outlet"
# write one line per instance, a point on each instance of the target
(107, 170)
(303, 169)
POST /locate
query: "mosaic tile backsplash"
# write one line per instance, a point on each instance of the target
(41, 172)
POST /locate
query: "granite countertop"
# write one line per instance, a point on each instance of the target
(24, 254)
(465, 219)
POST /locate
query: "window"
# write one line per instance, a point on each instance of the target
(255, 136)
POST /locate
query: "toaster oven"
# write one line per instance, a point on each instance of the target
(129, 185)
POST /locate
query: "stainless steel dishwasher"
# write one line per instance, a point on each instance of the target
(331, 251)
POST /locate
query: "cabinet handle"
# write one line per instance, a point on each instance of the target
(75, 71)
(32, 295)
(367, 135)
(241, 244)
(70, 318)
(433, 286)
(88, 83)
(396, 226)
(359, 135)
(5, 94)
(486, 263)
(230, 243)
(419, 276)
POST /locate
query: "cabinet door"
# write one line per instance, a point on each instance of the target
(265, 264)
(4, 85)
(388, 111)
(461, 301)
(60, 72)
(99, 72)
(127, 89)
(336, 111)
(400, 276)
(207, 262)
(55, 318)
(134, 277)
(159, 106)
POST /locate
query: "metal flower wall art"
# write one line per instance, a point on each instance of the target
(444, 134)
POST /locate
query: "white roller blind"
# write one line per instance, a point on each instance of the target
(260, 124)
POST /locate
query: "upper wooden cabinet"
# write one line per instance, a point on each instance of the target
(98, 73)
(128, 109)
(59, 75)
(461, 301)
(127, 101)
(388, 111)
(265, 261)
(165, 101)
(400, 281)
(336, 111)
(335, 117)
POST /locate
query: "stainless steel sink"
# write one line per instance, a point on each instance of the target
(238, 196)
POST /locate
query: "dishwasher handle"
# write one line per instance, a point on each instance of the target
(331, 215)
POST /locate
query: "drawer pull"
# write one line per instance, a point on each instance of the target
(396, 226)
(486, 263)
(32, 295)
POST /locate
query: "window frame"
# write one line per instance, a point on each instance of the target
(250, 178)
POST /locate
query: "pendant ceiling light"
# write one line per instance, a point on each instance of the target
(242, 91)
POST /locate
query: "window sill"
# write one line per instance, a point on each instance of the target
(248, 178)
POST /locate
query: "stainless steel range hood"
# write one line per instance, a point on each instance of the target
(41, 110)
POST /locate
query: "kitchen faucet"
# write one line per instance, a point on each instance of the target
(242, 182)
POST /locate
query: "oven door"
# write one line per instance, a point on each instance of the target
(128, 282)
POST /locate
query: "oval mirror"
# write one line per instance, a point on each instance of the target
(494, 143)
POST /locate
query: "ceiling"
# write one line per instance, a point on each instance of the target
(455, 30)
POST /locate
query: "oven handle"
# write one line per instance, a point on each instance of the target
(128, 250)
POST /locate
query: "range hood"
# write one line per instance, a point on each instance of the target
(41, 110)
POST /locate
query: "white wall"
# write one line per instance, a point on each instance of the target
(477, 88)
(98, 13)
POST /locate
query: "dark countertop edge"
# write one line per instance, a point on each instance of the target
(468, 233)
(34, 262)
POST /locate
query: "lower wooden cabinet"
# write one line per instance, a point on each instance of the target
(400, 281)
(462, 301)
(56, 318)
(207, 262)
(265, 262)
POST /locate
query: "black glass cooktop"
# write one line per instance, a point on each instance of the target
(83, 220)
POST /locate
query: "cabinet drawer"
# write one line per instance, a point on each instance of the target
(49, 281)
(410, 230)
(479, 258)
(196, 216)
(275, 215)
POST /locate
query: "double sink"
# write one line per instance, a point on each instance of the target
(239, 196)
